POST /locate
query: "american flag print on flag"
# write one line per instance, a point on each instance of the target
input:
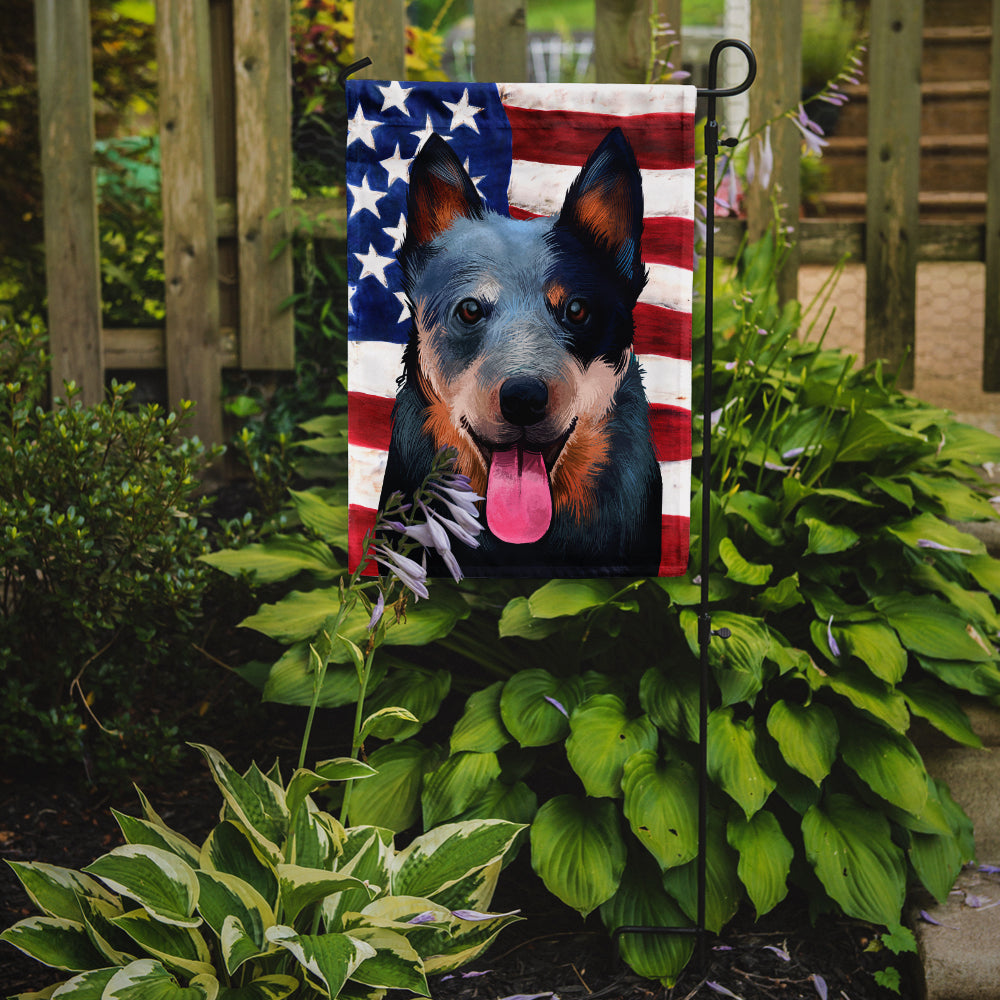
(520, 285)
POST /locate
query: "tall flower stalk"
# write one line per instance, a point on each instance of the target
(443, 508)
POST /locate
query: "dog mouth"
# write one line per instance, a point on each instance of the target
(518, 486)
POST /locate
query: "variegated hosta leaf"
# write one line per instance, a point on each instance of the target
(141, 831)
(441, 857)
(578, 851)
(732, 760)
(225, 897)
(807, 736)
(481, 727)
(850, 847)
(229, 848)
(367, 853)
(86, 986)
(256, 801)
(238, 945)
(56, 891)
(315, 838)
(457, 784)
(300, 887)
(602, 737)
(328, 959)
(304, 782)
(475, 891)
(395, 964)
(158, 880)
(54, 941)
(177, 947)
(468, 939)
(116, 946)
(765, 858)
(274, 987)
(661, 799)
(147, 979)
(642, 902)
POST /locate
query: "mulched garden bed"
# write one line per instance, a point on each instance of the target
(56, 819)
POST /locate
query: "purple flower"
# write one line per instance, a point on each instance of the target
(834, 648)
(780, 952)
(820, 983)
(719, 988)
(811, 132)
(427, 917)
(475, 915)
(552, 701)
(761, 163)
(927, 543)
(377, 611)
(411, 574)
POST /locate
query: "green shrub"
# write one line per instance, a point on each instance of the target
(280, 899)
(101, 584)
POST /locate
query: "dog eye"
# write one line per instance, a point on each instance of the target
(577, 311)
(469, 311)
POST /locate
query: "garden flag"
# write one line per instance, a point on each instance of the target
(520, 277)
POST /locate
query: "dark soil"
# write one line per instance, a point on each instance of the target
(551, 952)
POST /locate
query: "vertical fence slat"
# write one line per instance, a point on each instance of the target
(892, 215)
(380, 34)
(621, 40)
(72, 257)
(776, 35)
(261, 57)
(501, 41)
(190, 253)
(991, 332)
(669, 12)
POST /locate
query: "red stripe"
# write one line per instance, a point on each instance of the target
(369, 420)
(667, 239)
(360, 520)
(674, 540)
(660, 141)
(671, 430)
(662, 331)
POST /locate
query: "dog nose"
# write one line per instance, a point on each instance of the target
(523, 399)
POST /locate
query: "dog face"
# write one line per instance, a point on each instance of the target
(522, 334)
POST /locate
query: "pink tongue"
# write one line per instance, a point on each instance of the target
(518, 501)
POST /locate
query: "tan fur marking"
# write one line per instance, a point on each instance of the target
(601, 213)
(556, 294)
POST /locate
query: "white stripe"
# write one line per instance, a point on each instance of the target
(365, 472)
(540, 188)
(605, 99)
(373, 367)
(676, 488)
(668, 286)
(667, 381)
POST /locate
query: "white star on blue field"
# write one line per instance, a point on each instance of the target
(387, 125)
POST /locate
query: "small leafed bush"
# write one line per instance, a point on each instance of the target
(99, 575)
(280, 899)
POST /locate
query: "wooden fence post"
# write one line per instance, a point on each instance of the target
(776, 35)
(622, 40)
(991, 332)
(190, 251)
(262, 61)
(72, 255)
(893, 183)
(380, 34)
(501, 41)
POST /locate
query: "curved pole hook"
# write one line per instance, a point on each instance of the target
(352, 68)
(712, 90)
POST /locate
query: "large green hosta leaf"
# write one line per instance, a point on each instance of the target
(941, 709)
(481, 727)
(932, 628)
(535, 706)
(732, 760)
(559, 598)
(671, 700)
(578, 851)
(417, 690)
(807, 736)
(850, 848)
(738, 661)
(641, 901)
(888, 763)
(602, 738)
(661, 806)
(765, 858)
(279, 558)
(456, 785)
(391, 798)
(876, 646)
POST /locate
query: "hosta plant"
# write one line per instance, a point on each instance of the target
(279, 900)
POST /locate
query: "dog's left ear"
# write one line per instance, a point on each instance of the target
(604, 203)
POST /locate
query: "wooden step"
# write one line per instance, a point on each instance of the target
(947, 162)
(958, 206)
(956, 53)
(946, 105)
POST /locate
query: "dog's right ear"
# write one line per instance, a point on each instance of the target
(440, 191)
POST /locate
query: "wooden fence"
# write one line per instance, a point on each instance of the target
(226, 160)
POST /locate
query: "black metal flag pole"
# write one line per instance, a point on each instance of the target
(705, 631)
